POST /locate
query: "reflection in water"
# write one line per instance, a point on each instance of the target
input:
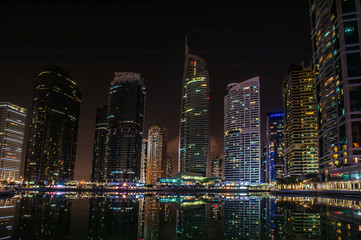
(223, 216)
(112, 217)
(7, 217)
(191, 223)
(242, 218)
(44, 217)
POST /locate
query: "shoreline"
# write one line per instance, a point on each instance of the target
(300, 193)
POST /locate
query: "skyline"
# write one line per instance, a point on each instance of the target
(158, 56)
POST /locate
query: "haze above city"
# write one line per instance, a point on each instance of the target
(92, 42)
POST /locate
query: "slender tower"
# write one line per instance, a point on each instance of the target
(125, 128)
(194, 124)
(53, 129)
(275, 147)
(157, 154)
(100, 137)
(242, 132)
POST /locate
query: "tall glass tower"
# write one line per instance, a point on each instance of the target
(53, 128)
(100, 138)
(336, 29)
(12, 129)
(125, 127)
(242, 132)
(275, 147)
(194, 125)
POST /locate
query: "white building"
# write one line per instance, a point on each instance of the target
(242, 132)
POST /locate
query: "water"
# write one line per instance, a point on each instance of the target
(151, 216)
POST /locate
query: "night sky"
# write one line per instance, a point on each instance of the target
(92, 41)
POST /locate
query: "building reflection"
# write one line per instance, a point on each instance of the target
(44, 217)
(191, 222)
(113, 217)
(242, 218)
(7, 217)
(223, 216)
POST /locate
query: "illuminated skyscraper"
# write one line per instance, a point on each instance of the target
(143, 161)
(157, 154)
(216, 167)
(53, 127)
(275, 147)
(300, 121)
(12, 128)
(242, 132)
(125, 127)
(194, 125)
(99, 144)
(336, 42)
(169, 166)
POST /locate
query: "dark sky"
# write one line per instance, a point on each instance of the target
(92, 41)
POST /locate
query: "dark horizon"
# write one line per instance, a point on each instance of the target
(92, 42)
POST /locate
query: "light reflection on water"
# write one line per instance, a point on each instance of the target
(151, 216)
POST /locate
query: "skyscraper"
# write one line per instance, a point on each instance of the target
(194, 124)
(12, 128)
(242, 132)
(100, 138)
(337, 60)
(157, 154)
(143, 161)
(125, 127)
(216, 167)
(53, 128)
(275, 147)
(169, 166)
(300, 121)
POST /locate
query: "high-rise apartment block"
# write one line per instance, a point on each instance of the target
(336, 29)
(300, 121)
(12, 129)
(143, 161)
(242, 132)
(53, 128)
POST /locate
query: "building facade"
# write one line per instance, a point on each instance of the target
(126, 105)
(275, 147)
(216, 167)
(300, 121)
(194, 124)
(143, 161)
(53, 128)
(12, 129)
(242, 132)
(100, 138)
(336, 39)
(157, 154)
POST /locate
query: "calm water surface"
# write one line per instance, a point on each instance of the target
(170, 216)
